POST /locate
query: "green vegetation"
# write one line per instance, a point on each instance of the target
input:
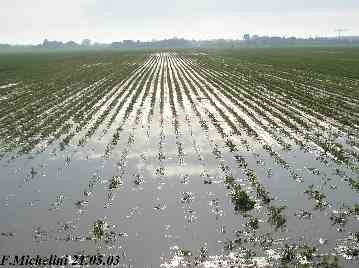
(240, 199)
(276, 218)
(317, 196)
(253, 223)
(55, 95)
(335, 61)
(184, 253)
(115, 182)
(99, 229)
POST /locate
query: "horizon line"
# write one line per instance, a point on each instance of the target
(171, 38)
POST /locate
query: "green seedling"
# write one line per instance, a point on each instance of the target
(240, 199)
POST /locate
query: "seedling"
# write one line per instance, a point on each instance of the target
(229, 181)
(240, 199)
(115, 183)
(253, 223)
(99, 229)
(317, 196)
(184, 253)
(276, 218)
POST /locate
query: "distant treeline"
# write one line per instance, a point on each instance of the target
(247, 41)
(276, 40)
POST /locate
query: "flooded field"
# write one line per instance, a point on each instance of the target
(179, 159)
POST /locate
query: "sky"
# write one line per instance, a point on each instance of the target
(31, 21)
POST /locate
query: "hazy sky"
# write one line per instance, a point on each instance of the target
(30, 21)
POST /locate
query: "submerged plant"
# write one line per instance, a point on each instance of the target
(231, 145)
(138, 180)
(355, 210)
(276, 218)
(328, 262)
(229, 181)
(203, 253)
(241, 161)
(317, 196)
(339, 218)
(241, 199)
(99, 229)
(160, 171)
(308, 252)
(253, 223)
(288, 254)
(354, 184)
(187, 197)
(287, 147)
(184, 253)
(115, 182)
(33, 172)
(356, 237)
(230, 245)
(263, 194)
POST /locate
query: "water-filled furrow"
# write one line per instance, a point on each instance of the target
(284, 109)
(335, 152)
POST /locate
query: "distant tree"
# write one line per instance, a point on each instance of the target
(129, 43)
(247, 37)
(52, 44)
(86, 42)
(116, 44)
(45, 43)
(71, 44)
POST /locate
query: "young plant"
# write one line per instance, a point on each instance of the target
(240, 199)
(115, 182)
(317, 196)
(276, 218)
